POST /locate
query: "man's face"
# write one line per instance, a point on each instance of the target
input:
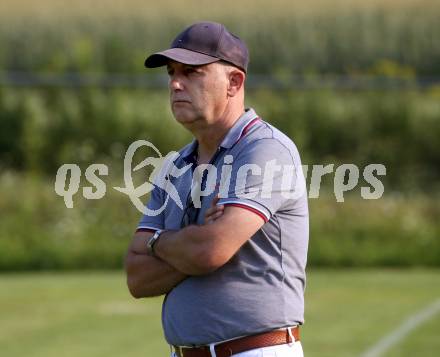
(198, 94)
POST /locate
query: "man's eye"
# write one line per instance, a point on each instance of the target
(190, 70)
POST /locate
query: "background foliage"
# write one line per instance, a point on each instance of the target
(45, 126)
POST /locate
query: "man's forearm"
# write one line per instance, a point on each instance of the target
(150, 276)
(190, 250)
(202, 249)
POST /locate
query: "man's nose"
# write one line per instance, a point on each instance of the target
(175, 83)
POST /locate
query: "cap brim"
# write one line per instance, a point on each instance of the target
(181, 55)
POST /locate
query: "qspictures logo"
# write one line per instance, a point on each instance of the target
(287, 180)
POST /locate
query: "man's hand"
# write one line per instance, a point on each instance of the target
(214, 212)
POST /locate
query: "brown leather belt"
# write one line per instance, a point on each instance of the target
(227, 349)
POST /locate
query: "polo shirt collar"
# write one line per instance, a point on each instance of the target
(235, 133)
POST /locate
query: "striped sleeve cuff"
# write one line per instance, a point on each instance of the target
(249, 205)
(143, 228)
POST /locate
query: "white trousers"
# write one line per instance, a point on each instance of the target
(287, 350)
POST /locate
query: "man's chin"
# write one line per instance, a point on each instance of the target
(184, 118)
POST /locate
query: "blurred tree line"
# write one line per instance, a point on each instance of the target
(386, 41)
(43, 129)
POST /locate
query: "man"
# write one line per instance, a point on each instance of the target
(232, 262)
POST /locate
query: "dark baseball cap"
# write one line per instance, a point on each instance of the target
(203, 43)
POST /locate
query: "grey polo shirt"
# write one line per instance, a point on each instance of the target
(261, 288)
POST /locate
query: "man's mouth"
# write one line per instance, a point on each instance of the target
(180, 101)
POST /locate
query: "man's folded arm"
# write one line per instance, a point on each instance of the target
(146, 275)
(202, 249)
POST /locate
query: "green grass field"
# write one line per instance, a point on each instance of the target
(92, 314)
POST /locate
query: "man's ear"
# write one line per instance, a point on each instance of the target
(236, 81)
